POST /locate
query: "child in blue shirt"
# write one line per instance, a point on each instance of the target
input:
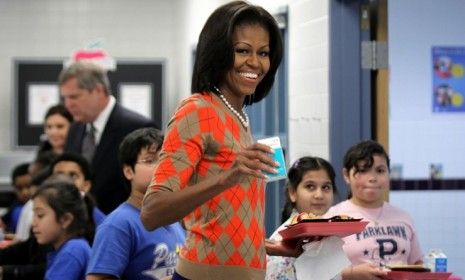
(21, 181)
(123, 248)
(60, 219)
(77, 167)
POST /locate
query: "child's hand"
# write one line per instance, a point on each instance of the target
(281, 248)
(365, 271)
(287, 248)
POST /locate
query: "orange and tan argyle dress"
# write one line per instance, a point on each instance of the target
(225, 235)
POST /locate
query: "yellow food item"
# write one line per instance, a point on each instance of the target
(304, 216)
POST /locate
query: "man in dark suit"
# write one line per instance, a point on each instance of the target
(100, 126)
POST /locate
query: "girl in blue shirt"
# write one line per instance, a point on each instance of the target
(60, 219)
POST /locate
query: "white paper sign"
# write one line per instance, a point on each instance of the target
(137, 97)
(40, 98)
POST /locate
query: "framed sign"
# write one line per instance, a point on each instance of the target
(137, 85)
(136, 97)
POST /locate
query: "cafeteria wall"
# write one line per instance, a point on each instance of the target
(42, 30)
(412, 121)
(417, 135)
(168, 30)
(153, 30)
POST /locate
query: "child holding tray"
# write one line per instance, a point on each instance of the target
(390, 237)
(310, 189)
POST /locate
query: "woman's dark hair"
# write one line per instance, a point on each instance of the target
(360, 157)
(215, 51)
(295, 175)
(61, 110)
(60, 193)
(58, 109)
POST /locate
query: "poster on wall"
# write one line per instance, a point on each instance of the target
(448, 79)
(40, 98)
(136, 97)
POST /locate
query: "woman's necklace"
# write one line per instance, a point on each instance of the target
(244, 121)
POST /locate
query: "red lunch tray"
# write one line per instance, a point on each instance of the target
(409, 275)
(307, 229)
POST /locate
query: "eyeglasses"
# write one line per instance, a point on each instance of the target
(149, 161)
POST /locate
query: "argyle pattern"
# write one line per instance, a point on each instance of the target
(202, 140)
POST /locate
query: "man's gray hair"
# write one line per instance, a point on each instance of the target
(88, 75)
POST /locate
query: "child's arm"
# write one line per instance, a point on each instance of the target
(365, 271)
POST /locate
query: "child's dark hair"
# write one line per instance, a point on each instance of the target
(19, 170)
(360, 156)
(60, 193)
(76, 158)
(137, 140)
(296, 173)
(89, 200)
(43, 161)
(40, 177)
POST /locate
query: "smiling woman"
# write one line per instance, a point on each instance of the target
(56, 125)
(209, 165)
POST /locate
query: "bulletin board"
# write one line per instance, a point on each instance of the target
(36, 87)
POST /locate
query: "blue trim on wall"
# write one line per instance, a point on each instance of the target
(270, 118)
(349, 87)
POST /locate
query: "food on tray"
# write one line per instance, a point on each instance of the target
(310, 217)
(343, 218)
(304, 216)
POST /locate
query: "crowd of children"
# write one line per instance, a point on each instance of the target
(72, 239)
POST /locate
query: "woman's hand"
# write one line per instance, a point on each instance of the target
(251, 161)
(365, 271)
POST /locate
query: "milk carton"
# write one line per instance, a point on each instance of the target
(278, 156)
(436, 260)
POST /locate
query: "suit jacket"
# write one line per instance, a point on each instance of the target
(108, 184)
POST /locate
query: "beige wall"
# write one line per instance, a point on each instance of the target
(53, 29)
